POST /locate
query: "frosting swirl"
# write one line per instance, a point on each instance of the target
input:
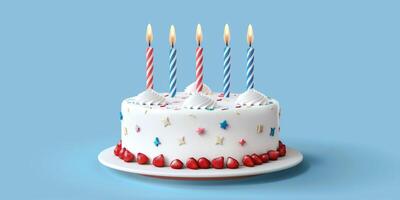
(191, 89)
(252, 97)
(199, 101)
(149, 97)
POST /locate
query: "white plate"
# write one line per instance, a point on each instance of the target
(107, 158)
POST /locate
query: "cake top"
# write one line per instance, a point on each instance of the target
(213, 101)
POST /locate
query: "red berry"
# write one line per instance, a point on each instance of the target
(121, 153)
(232, 163)
(176, 164)
(273, 155)
(119, 143)
(282, 150)
(280, 143)
(264, 157)
(247, 161)
(218, 163)
(204, 163)
(256, 160)
(142, 159)
(128, 156)
(117, 149)
(191, 163)
(159, 161)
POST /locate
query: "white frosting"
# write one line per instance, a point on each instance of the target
(252, 97)
(199, 101)
(191, 89)
(243, 122)
(149, 97)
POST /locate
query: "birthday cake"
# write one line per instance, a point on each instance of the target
(198, 128)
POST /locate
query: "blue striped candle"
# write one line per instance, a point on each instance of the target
(250, 68)
(227, 62)
(227, 71)
(172, 63)
(172, 72)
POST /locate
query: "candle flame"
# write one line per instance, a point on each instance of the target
(199, 34)
(227, 34)
(250, 35)
(172, 35)
(149, 34)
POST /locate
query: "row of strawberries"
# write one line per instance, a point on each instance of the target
(202, 163)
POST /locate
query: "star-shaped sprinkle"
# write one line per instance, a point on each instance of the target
(121, 117)
(224, 124)
(157, 141)
(200, 130)
(137, 129)
(181, 141)
(260, 128)
(125, 131)
(242, 142)
(166, 122)
(272, 133)
(220, 140)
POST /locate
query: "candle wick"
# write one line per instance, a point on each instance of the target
(149, 43)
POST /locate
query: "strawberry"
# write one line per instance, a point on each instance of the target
(204, 163)
(247, 161)
(119, 143)
(218, 163)
(117, 149)
(232, 163)
(121, 153)
(128, 156)
(282, 150)
(191, 163)
(264, 157)
(280, 143)
(176, 164)
(256, 160)
(142, 159)
(273, 155)
(159, 161)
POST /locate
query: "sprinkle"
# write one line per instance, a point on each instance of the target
(181, 141)
(220, 94)
(125, 131)
(224, 108)
(165, 95)
(137, 128)
(242, 142)
(224, 124)
(163, 105)
(121, 117)
(219, 99)
(210, 109)
(260, 128)
(166, 122)
(272, 133)
(220, 140)
(200, 131)
(156, 142)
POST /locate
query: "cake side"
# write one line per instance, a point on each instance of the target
(227, 130)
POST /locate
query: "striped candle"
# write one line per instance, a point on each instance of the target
(250, 59)
(149, 59)
(172, 63)
(227, 62)
(199, 60)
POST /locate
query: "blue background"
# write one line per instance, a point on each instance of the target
(65, 66)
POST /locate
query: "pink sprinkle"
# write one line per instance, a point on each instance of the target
(219, 99)
(220, 94)
(200, 130)
(242, 142)
(238, 106)
(137, 129)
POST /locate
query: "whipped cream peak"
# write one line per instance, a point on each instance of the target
(252, 97)
(191, 89)
(149, 97)
(199, 101)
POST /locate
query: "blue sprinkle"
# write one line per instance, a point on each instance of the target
(156, 142)
(223, 124)
(272, 133)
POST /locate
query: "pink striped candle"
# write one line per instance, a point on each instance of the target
(199, 60)
(149, 59)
